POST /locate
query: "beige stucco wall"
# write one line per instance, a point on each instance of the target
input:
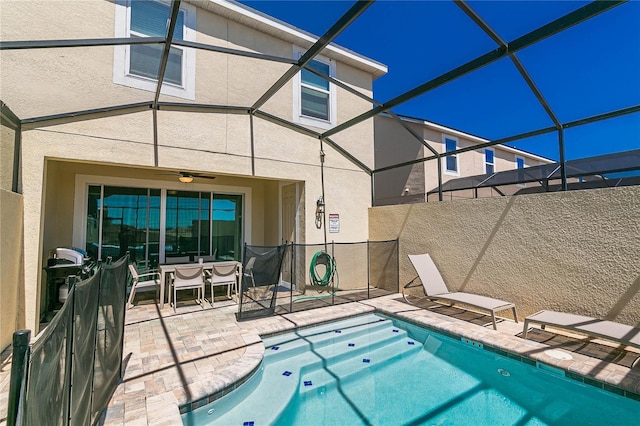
(122, 146)
(12, 312)
(394, 145)
(47, 81)
(7, 151)
(51, 81)
(574, 251)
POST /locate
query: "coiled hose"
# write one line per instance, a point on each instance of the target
(322, 258)
(330, 274)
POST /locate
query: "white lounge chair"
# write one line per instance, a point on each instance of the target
(435, 289)
(621, 333)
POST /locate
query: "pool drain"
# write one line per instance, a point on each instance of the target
(503, 372)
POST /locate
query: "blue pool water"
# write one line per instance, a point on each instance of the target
(380, 371)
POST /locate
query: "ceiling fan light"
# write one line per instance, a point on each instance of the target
(185, 178)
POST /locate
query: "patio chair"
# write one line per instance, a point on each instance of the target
(435, 289)
(142, 282)
(247, 271)
(224, 273)
(144, 266)
(188, 278)
(622, 333)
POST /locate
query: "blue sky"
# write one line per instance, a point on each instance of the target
(589, 69)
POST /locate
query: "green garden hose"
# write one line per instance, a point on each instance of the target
(330, 274)
(321, 258)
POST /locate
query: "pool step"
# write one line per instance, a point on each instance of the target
(323, 328)
(263, 403)
(282, 347)
(357, 345)
(338, 349)
(368, 360)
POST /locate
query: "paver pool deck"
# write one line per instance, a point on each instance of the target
(181, 361)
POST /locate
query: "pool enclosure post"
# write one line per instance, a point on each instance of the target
(333, 283)
(397, 265)
(71, 298)
(368, 269)
(19, 363)
(563, 166)
(291, 279)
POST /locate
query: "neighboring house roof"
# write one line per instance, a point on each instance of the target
(260, 21)
(459, 133)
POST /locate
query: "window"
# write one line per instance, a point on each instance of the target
(520, 166)
(152, 224)
(121, 220)
(315, 94)
(451, 161)
(314, 100)
(489, 161)
(137, 65)
(148, 19)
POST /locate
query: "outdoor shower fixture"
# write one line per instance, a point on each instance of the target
(319, 211)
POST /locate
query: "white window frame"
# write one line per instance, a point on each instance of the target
(524, 166)
(82, 183)
(121, 55)
(456, 156)
(298, 117)
(486, 163)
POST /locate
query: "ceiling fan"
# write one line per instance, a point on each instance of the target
(188, 177)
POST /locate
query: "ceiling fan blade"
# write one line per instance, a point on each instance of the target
(202, 176)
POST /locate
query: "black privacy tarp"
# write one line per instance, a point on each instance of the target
(110, 329)
(84, 338)
(260, 280)
(47, 396)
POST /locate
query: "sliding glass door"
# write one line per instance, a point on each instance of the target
(121, 220)
(227, 225)
(188, 225)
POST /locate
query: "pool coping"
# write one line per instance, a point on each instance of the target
(607, 376)
(527, 352)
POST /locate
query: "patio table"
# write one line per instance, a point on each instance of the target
(166, 269)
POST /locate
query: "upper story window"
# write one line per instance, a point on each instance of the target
(314, 98)
(489, 161)
(451, 162)
(137, 65)
(520, 163)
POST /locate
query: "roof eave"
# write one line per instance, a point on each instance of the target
(459, 133)
(254, 19)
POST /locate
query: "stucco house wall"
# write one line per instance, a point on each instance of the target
(573, 251)
(12, 313)
(11, 243)
(252, 154)
(394, 145)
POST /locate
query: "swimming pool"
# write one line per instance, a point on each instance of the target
(381, 371)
